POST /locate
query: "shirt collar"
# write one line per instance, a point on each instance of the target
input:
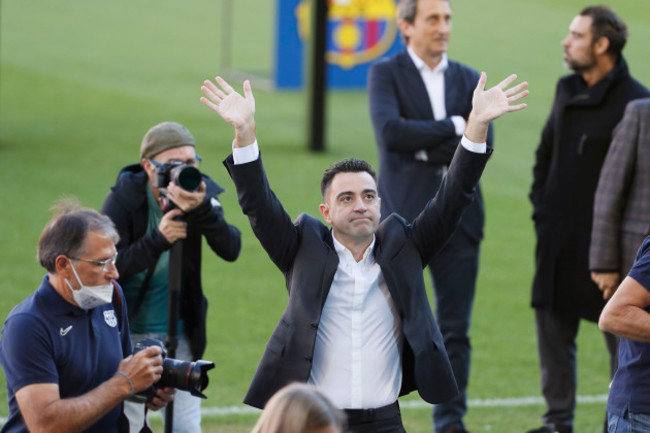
(345, 254)
(420, 65)
(55, 302)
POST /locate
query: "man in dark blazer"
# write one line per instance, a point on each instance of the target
(419, 104)
(358, 324)
(622, 204)
(588, 105)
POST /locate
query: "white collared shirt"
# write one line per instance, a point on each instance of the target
(356, 360)
(434, 81)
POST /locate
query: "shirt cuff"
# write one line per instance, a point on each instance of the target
(471, 146)
(243, 155)
(460, 124)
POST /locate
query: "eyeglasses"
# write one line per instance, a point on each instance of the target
(105, 264)
(196, 161)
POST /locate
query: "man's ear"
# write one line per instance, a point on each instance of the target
(325, 211)
(601, 46)
(61, 265)
(148, 167)
(405, 28)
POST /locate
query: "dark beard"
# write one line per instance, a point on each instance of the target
(579, 68)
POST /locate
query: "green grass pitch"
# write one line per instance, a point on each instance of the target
(81, 81)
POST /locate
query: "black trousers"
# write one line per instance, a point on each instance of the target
(386, 419)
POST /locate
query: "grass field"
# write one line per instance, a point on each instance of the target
(82, 80)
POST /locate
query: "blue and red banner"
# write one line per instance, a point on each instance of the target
(358, 33)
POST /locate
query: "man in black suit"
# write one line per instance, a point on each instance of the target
(358, 325)
(588, 105)
(419, 104)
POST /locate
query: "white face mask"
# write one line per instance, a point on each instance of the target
(89, 297)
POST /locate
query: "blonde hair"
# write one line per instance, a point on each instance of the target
(299, 408)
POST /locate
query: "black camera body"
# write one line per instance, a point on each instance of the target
(189, 376)
(186, 176)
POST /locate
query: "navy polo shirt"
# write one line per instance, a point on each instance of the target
(630, 389)
(45, 339)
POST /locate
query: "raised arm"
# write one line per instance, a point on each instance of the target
(433, 227)
(237, 110)
(271, 224)
(488, 105)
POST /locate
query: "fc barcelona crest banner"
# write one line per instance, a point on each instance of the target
(359, 32)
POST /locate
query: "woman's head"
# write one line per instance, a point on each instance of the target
(300, 408)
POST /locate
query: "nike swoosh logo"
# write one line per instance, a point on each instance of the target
(65, 331)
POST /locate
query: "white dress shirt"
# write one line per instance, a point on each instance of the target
(357, 354)
(434, 81)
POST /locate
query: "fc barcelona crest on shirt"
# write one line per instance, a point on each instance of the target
(110, 319)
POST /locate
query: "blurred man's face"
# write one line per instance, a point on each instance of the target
(185, 154)
(578, 45)
(430, 31)
(352, 207)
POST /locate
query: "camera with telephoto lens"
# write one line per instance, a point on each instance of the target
(189, 376)
(186, 176)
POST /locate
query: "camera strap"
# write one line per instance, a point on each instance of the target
(143, 291)
(145, 427)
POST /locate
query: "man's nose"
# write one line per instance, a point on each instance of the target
(360, 205)
(565, 42)
(112, 272)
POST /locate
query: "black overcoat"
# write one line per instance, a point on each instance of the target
(574, 143)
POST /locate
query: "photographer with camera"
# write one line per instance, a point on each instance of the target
(154, 204)
(66, 349)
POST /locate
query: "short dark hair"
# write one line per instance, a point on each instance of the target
(66, 232)
(348, 165)
(606, 23)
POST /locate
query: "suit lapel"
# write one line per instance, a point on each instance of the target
(453, 103)
(413, 86)
(331, 265)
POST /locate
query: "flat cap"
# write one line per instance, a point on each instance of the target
(163, 136)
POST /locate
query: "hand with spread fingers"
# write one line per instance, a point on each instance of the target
(488, 105)
(237, 110)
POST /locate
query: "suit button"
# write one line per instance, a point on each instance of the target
(308, 358)
(314, 325)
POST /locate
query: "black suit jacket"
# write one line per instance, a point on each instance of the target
(304, 252)
(403, 122)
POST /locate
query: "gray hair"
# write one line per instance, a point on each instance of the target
(406, 10)
(66, 232)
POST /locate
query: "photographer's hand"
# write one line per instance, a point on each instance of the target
(143, 368)
(186, 200)
(162, 397)
(172, 229)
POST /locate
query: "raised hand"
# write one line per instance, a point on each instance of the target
(491, 104)
(488, 105)
(237, 110)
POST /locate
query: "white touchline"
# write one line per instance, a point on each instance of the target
(216, 412)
